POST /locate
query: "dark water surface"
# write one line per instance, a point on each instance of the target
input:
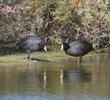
(65, 80)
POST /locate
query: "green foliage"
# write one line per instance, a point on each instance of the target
(12, 2)
(61, 20)
(6, 31)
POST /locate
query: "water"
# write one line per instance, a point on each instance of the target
(63, 80)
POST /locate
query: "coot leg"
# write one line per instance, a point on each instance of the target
(79, 59)
(29, 55)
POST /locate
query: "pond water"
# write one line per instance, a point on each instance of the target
(63, 80)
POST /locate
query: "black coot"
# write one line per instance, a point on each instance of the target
(31, 44)
(77, 48)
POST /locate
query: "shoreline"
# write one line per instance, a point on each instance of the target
(9, 55)
(54, 56)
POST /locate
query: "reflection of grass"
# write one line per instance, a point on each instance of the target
(9, 54)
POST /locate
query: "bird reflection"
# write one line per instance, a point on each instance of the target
(45, 79)
(74, 76)
(61, 78)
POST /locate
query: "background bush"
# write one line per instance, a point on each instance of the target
(57, 21)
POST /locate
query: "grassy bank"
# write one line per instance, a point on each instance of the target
(10, 55)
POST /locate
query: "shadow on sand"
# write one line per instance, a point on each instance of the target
(40, 60)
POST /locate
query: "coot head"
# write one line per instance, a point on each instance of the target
(42, 46)
(65, 46)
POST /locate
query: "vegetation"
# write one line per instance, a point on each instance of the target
(10, 55)
(57, 20)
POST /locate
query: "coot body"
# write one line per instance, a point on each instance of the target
(31, 44)
(77, 48)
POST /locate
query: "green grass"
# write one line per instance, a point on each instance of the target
(43, 56)
(10, 55)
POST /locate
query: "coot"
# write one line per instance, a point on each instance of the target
(31, 44)
(77, 48)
